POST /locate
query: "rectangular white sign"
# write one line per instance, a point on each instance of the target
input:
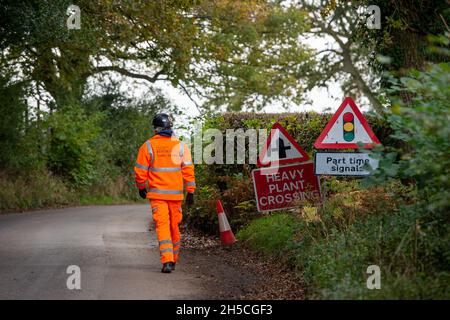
(344, 164)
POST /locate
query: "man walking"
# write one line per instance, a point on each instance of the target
(165, 163)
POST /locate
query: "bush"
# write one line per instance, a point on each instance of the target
(41, 189)
(332, 246)
(335, 265)
(12, 121)
(203, 215)
(422, 125)
(84, 153)
(271, 235)
(71, 152)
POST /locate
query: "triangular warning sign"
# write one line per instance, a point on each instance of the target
(347, 129)
(281, 148)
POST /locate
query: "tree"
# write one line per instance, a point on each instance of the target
(404, 36)
(12, 122)
(345, 59)
(237, 51)
(406, 26)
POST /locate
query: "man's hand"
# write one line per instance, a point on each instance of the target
(143, 193)
(189, 199)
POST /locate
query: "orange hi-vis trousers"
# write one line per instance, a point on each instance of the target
(167, 216)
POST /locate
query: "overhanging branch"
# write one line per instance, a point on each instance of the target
(127, 73)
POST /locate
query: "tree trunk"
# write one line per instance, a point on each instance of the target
(62, 76)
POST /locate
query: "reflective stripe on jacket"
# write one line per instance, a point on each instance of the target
(165, 163)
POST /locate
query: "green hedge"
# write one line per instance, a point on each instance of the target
(305, 127)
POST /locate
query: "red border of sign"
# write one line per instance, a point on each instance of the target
(348, 100)
(282, 161)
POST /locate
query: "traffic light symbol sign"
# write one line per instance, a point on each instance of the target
(347, 129)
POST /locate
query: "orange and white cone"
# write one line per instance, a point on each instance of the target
(226, 235)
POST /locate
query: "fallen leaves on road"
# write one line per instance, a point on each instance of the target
(235, 272)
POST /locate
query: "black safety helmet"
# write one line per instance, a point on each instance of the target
(163, 121)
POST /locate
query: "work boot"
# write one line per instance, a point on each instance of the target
(167, 267)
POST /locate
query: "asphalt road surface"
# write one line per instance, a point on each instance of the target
(117, 256)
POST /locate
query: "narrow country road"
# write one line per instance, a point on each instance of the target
(116, 253)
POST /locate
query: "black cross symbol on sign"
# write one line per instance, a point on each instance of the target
(281, 149)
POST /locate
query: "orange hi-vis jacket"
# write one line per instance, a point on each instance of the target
(166, 164)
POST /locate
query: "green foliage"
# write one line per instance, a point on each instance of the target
(71, 153)
(21, 138)
(332, 246)
(393, 240)
(87, 152)
(203, 215)
(12, 121)
(250, 48)
(398, 38)
(41, 189)
(126, 124)
(271, 235)
(422, 125)
(305, 127)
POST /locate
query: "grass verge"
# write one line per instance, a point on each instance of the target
(43, 190)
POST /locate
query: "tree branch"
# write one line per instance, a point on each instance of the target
(130, 74)
(190, 98)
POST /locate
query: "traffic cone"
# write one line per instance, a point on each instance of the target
(226, 235)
